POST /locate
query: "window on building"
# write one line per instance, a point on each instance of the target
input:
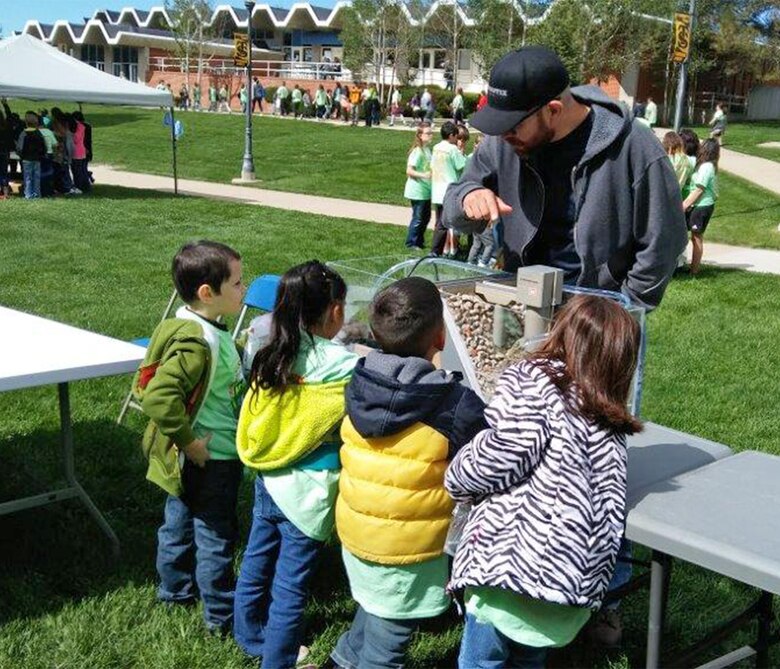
(94, 55)
(439, 57)
(464, 59)
(425, 59)
(126, 62)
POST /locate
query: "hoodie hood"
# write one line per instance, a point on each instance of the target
(389, 393)
(611, 119)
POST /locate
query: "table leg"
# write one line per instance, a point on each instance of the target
(764, 630)
(66, 440)
(660, 566)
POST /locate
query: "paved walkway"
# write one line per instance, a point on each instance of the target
(752, 260)
(310, 204)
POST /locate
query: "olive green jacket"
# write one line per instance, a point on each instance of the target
(170, 386)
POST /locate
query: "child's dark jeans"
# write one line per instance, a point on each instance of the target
(484, 647)
(373, 642)
(196, 541)
(273, 585)
(421, 216)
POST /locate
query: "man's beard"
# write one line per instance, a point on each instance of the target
(542, 138)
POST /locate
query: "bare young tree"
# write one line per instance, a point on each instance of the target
(193, 34)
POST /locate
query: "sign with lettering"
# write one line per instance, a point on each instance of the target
(682, 37)
(240, 49)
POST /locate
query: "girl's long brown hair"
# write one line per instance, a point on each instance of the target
(598, 343)
(417, 142)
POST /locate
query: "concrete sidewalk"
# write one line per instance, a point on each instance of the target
(309, 204)
(752, 260)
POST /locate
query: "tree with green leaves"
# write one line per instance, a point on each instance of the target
(192, 33)
(501, 28)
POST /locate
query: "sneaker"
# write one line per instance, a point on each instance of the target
(607, 628)
(74, 191)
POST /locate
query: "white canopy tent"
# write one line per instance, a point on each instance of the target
(33, 70)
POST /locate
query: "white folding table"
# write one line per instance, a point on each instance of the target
(36, 351)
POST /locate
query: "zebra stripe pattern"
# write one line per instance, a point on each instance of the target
(548, 489)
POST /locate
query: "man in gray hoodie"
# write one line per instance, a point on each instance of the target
(574, 181)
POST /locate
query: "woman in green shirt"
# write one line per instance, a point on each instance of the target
(418, 185)
(700, 203)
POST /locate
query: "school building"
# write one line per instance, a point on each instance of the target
(302, 45)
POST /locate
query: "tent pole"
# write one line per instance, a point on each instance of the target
(173, 146)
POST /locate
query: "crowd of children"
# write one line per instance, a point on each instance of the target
(695, 164)
(380, 448)
(54, 149)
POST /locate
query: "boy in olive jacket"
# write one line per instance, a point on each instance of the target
(190, 385)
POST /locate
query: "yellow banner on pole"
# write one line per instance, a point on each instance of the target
(240, 49)
(682, 37)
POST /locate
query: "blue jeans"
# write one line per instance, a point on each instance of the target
(484, 647)
(196, 541)
(421, 216)
(623, 570)
(31, 169)
(272, 586)
(373, 642)
(481, 247)
(3, 170)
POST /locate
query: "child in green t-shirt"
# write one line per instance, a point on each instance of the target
(447, 163)
(418, 185)
(700, 203)
(190, 385)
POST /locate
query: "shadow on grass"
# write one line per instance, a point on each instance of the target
(727, 213)
(126, 193)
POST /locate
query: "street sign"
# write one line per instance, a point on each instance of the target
(682, 37)
(240, 49)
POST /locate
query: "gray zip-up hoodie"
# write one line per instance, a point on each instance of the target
(630, 226)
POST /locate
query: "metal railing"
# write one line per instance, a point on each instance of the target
(281, 69)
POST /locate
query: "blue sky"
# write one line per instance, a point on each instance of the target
(15, 13)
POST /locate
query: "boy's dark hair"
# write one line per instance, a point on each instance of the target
(448, 129)
(690, 142)
(406, 316)
(199, 263)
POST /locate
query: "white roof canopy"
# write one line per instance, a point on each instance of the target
(31, 69)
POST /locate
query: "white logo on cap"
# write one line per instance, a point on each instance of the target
(500, 92)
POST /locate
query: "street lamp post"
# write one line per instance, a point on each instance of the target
(679, 112)
(248, 166)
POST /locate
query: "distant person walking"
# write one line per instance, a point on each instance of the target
(651, 112)
(457, 107)
(700, 203)
(224, 97)
(258, 94)
(718, 123)
(212, 98)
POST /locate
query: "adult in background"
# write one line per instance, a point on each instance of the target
(258, 94)
(718, 123)
(457, 107)
(651, 112)
(554, 157)
(428, 106)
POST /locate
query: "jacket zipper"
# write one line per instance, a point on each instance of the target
(544, 197)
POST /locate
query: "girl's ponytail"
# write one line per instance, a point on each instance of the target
(305, 293)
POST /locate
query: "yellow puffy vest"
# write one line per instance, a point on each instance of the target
(392, 506)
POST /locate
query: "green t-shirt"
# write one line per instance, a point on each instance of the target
(212, 94)
(282, 93)
(49, 139)
(320, 98)
(308, 497)
(447, 163)
(420, 161)
(527, 621)
(403, 592)
(686, 191)
(219, 413)
(297, 95)
(705, 178)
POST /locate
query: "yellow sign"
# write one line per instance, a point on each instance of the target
(240, 49)
(682, 37)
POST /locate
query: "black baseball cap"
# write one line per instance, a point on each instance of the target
(521, 83)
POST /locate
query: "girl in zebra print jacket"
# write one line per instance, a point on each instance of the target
(547, 479)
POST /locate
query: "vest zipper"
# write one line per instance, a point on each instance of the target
(544, 196)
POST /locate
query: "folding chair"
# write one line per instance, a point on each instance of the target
(143, 342)
(261, 295)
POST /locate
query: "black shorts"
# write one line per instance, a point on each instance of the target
(699, 218)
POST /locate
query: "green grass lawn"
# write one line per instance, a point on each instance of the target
(102, 263)
(745, 137)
